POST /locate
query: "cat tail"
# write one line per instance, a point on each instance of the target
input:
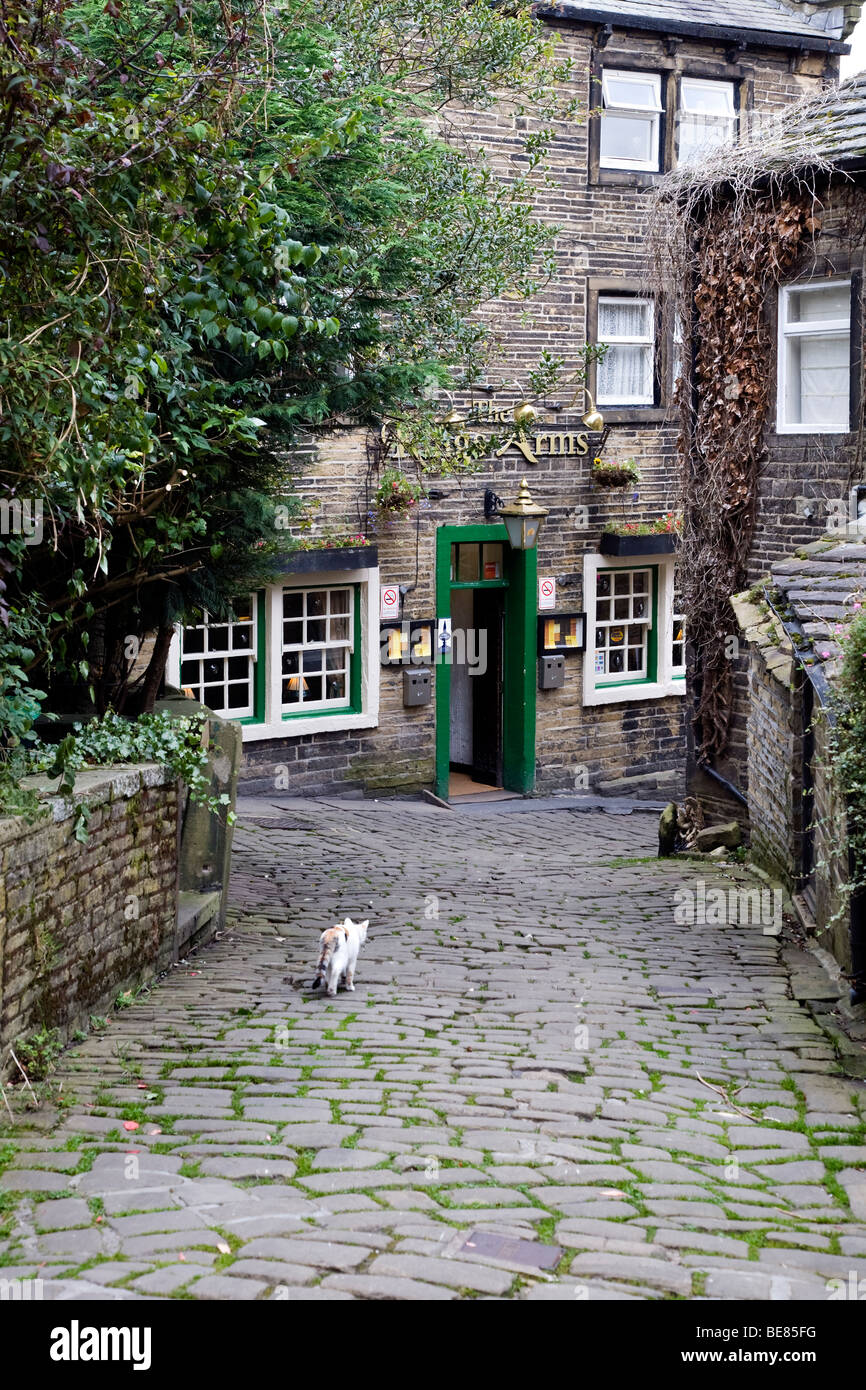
(330, 941)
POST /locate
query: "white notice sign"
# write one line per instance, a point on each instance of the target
(546, 594)
(389, 601)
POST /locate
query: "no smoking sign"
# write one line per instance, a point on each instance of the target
(546, 593)
(389, 601)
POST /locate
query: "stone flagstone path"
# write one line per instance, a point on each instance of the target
(542, 1087)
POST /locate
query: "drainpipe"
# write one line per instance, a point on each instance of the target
(729, 786)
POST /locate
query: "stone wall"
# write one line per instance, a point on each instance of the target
(775, 758)
(80, 922)
(831, 866)
(779, 723)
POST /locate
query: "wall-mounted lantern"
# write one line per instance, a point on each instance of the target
(523, 519)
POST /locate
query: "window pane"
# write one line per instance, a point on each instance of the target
(603, 611)
(311, 661)
(317, 630)
(238, 667)
(239, 696)
(639, 608)
(293, 633)
(217, 639)
(193, 639)
(819, 381)
(242, 609)
(335, 659)
(632, 139)
(624, 318)
(715, 98)
(468, 560)
(213, 696)
(491, 560)
(339, 600)
(189, 672)
(625, 375)
(622, 583)
(635, 89)
(602, 585)
(339, 630)
(293, 605)
(639, 581)
(336, 685)
(317, 602)
(291, 663)
(696, 135)
(635, 659)
(811, 306)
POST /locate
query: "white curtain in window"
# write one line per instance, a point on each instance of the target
(625, 318)
(820, 380)
(625, 376)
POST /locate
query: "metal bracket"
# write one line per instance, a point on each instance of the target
(492, 503)
(604, 36)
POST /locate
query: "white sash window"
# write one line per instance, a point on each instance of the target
(626, 372)
(630, 120)
(815, 358)
(218, 658)
(707, 117)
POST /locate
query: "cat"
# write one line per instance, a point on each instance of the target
(338, 956)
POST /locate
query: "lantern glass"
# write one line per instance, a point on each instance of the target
(522, 531)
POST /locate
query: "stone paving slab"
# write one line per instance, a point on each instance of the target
(536, 1053)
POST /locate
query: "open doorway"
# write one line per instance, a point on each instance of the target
(475, 751)
(486, 593)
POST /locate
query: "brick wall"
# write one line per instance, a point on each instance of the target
(81, 922)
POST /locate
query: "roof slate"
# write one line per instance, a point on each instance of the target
(833, 127)
(824, 586)
(762, 16)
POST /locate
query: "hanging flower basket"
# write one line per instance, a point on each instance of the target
(396, 494)
(615, 474)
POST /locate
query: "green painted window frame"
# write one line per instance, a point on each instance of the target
(355, 658)
(652, 651)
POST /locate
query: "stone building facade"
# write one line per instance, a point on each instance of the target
(302, 669)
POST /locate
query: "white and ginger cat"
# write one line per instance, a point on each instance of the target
(338, 956)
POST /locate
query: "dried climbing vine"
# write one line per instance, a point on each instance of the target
(723, 429)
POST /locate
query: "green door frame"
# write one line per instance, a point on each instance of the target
(518, 657)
